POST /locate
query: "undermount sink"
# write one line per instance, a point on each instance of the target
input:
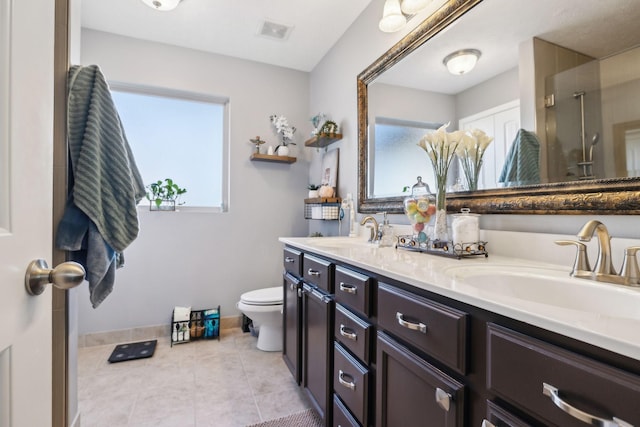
(547, 286)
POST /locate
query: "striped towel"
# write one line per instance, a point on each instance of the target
(106, 187)
(522, 164)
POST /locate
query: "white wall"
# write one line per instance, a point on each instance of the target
(333, 90)
(205, 259)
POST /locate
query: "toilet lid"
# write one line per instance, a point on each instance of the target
(266, 296)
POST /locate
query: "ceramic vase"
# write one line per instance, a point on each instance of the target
(283, 150)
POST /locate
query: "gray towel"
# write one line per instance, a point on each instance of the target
(101, 217)
(522, 164)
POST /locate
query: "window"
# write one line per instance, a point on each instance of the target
(178, 135)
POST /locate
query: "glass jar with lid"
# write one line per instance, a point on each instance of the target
(466, 230)
(419, 207)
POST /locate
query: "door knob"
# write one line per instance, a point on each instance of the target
(66, 275)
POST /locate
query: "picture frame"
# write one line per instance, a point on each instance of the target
(329, 170)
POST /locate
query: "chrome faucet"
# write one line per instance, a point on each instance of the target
(374, 237)
(603, 271)
(603, 264)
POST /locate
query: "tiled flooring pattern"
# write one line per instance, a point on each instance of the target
(224, 383)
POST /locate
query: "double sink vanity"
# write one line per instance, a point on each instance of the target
(379, 336)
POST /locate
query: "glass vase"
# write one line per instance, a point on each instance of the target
(440, 227)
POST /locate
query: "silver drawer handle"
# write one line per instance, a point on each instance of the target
(443, 399)
(552, 392)
(487, 423)
(350, 289)
(348, 333)
(292, 286)
(289, 259)
(313, 272)
(348, 384)
(409, 325)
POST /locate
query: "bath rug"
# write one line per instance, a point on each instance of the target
(132, 351)
(307, 418)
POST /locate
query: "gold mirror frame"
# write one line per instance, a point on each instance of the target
(603, 196)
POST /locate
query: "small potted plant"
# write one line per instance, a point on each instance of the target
(163, 195)
(313, 190)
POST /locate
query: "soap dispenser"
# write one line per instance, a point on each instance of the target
(387, 235)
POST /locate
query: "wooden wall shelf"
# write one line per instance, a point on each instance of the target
(323, 200)
(272, 158)
(323, 139)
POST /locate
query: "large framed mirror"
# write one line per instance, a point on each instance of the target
(565, 71)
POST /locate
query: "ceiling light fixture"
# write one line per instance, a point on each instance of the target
(392, 17)
(462, 61)
(163, 5)
(411, 7)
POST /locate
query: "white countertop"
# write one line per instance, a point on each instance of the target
(617, 333)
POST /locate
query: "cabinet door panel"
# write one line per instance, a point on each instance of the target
(589, 386)
(351, 383)
(317, 349)
(292, 334)
(436, 329)
(407, 390)
(292, 261)
(353, 290)
(318, 272)
(353, 333)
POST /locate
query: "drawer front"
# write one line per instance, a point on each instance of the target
(545, 373)
(436, 329)
(292, 260)
(341, 415)
(353, 333)
(499, 417)
(413, 393)
(351, 383)
(318, 272)
(353, 290)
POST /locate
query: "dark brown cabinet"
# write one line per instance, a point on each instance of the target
(317, 349)
(557, 386)
(413, 393)
(351, 383)
(291, 320)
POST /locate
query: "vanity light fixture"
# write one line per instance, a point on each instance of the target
(163, 5)
(392, 17)
(462, 61)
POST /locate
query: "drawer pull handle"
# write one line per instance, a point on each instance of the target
(350, 289)
(313, 272)
(288, 259)
(553, 394)
(410, 325)
(292, 286)
(443, 399)
(487, 423)
(348, 384)
(348, 333)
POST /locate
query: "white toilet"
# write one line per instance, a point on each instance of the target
(264, 308)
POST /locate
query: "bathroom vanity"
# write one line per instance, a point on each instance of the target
(409, 339)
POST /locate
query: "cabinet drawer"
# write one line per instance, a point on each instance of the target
(353, 290)
(353, 333)
(436, 329)
(351, 383)
(499, 417)
(341, 415)
(292, 260)
(318, 272)
(413, 393)
(543, 372)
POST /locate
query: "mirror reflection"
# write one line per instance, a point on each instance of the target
(556, 84)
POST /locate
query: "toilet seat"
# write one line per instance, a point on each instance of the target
(266, 296)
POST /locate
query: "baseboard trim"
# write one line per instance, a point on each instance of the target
(143, 333)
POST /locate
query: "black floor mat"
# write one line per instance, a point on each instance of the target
(132, 351)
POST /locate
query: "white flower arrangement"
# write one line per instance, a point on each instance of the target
(470, 151)
(440, 146)
(283, 128)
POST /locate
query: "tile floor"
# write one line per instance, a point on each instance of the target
(224, 383)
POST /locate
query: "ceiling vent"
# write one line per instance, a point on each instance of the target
(273, 30)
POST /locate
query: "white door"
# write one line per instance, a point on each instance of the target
(26, 98)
